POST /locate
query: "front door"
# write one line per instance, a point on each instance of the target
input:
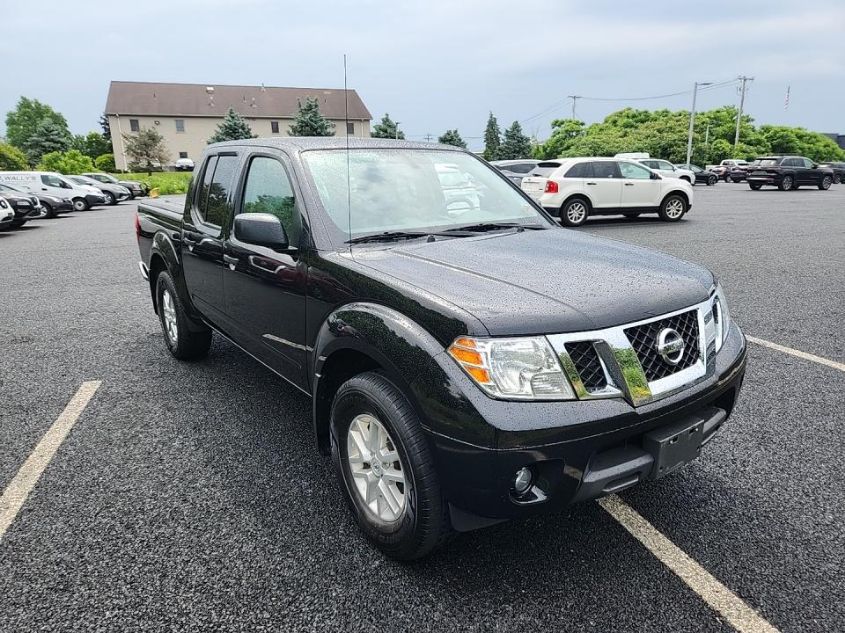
(202, 242)
(639, 190)
(265, 288)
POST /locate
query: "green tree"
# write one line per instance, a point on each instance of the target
(105, 162)
(387, 129)
(233, 128)
(48, 136)
(11, 158)
(92, 144)
(21, 123)
(452, 137)
(104, 123)
(515, 144)
(564, 133)
(70, 162)
(492, 139)
(146, 148)
(309, 121)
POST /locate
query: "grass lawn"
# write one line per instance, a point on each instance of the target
(166, 182)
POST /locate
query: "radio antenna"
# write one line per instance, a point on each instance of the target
(348, 177)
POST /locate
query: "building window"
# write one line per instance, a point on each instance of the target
(274, 127)
(133, 125)
(183, 154)
(350, 128)
(180, 125)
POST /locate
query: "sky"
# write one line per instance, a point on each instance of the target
(438, 64)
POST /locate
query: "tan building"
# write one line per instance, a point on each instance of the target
(187, 115)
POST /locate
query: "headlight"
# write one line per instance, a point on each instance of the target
(3, 204)
(721, 316)
(513, 368)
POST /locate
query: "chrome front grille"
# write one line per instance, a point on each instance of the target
(644, 341)
(624, 361)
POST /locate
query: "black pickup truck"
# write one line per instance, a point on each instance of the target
(467, 363)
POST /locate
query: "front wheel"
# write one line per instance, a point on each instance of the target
(575, 212)
(711, 181)
(673, 208)
(51, 213)
(837, 179)
(755, 185)
(786, 183)
(387, 472)
(824, 185)
(728, 178)
(80, 204)
(186, 339)
(110, 199)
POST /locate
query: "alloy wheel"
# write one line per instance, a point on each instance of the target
(79, 204)
(674, 208)
(169, 311)
(378, 476)
(576, 212)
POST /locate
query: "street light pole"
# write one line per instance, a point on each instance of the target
(396, 131)
(692, 119)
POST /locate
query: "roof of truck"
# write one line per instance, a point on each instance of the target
(304, 143)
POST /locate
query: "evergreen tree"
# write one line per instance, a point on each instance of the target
(515, 144)
(48, 136)
(104, 123)
(309, 121)
(146, 148)
(387, 129)
(492, 139)
(451, 137)
(233, 128)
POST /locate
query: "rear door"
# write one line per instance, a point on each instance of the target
(202, 237)
(265, 288)
(604, 185)
(638, 188)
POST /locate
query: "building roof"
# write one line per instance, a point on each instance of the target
(164, 99)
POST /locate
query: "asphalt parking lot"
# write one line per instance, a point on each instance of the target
(190, 496)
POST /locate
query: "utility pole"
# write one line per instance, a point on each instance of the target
(396, 131)
(692, 119)
(428, 137)
(744, 80)
(707, 135)
(574, 99)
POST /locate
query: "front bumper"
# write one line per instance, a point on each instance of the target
(94, 199)
(578, 450)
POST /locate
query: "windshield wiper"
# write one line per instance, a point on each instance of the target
(387, 236)
(482, 227)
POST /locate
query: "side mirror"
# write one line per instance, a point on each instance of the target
(261, 229)
(655, 176)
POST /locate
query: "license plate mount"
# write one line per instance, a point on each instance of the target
(674, 445)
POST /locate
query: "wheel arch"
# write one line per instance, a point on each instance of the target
(577, 195)
(163, 256)
(676, 192)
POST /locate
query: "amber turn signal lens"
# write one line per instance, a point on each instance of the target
(479, 373)
(466, 356)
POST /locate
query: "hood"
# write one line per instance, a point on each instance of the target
(543, 282)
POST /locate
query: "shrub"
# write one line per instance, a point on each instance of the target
(71, 162)
(11, 158)
(105, 162)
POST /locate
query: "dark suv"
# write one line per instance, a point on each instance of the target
(838, 171)
(788, 172)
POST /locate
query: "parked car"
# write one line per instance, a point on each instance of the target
(706, 176)
(662, 167)
(7, 214)
(454, 380)
(838, 171)
(53, 184)
(458, 190)
(573, 189)
(788, 172)
(53, 205)
(184, 164)
(25, 206)
(516, 170)
(113, 193)
(136, 187)
(732, 170)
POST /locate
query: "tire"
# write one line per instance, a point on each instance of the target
(786, 183)
(673, 208)
(837, 179)
(183, 341)
(406, 528)
(80, 204)
(728, 178)
(51, 213)
(574, 212)
(755, 185)
(712, 180)
(824, 185)
(110, 199)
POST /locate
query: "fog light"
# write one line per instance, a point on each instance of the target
(523, 480)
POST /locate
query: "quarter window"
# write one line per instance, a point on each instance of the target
(268, 190)
(134, 126)
(180, 125)
(634, 171)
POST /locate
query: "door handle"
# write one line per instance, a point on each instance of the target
(255, 262)
(232, 261)
(591, 183)
(629, 184)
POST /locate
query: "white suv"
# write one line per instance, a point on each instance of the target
(575, 188)
(662, 167)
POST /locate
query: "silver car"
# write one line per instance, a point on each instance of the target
(516, 170)
(112, 193)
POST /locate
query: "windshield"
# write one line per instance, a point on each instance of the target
(412, 190)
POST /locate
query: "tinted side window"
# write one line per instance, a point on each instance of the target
(520, 168)
(202, 195)
(605, 169)
(807, 162)
(632, 170)
(789, 162)
(268, 190)
(580, 170)
(217, 207)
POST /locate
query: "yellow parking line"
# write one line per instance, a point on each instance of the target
(798, 353)
(24, 481)
(721, 599)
